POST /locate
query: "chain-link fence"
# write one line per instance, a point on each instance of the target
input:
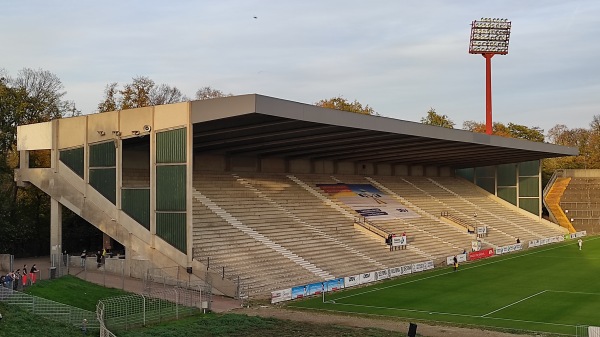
(49, 309)
(130, 311)
(587, 331)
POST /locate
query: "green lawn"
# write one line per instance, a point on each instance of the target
(550, 289)
(18, 322)
(73, 291)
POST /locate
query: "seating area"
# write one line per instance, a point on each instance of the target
(279, 230)
(577, 205)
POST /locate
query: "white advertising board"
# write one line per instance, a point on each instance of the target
(366, 277)
(351, 281)
(281, 295)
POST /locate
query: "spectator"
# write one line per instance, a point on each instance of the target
(388, 241)
(84, 327)
(24, 277)
(455, 263)
(99, 259)
(518, 240)
(393, 236)
(32, 273)
(404, 240)
(83, 257)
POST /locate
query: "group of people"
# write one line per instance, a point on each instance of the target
(390, 241)
(20, 278)
(100, 257)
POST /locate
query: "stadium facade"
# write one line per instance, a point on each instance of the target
(131, 173)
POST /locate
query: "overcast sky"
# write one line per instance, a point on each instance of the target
(400, 57)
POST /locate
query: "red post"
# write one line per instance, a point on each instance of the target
(488, 92)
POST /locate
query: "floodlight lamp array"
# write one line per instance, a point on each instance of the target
(490, 36)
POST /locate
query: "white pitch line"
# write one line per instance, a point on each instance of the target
(519, 301)
(439, 313)
(572, 292)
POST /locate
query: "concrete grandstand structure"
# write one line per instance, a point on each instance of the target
(229, 188)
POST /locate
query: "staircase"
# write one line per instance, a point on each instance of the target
(553, 203)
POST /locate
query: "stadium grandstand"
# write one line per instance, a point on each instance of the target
(258, 193)
(570, 199)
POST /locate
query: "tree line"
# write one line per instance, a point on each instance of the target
(36, 95)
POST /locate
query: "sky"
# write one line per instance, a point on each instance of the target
(401, 57)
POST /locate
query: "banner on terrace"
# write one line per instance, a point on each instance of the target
(368, 201)
(334, 285)
(307, 290)
(281, 295)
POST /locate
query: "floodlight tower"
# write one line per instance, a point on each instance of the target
(488, 38)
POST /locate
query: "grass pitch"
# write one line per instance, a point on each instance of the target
(550, 289)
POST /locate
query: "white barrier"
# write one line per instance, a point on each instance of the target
(509, 248)
(459, 258)
(347, 282)
(545, 241)
(578, 234)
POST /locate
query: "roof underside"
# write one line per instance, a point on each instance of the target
(269, 132)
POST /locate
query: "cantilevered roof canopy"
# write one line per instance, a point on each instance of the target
(270, 127)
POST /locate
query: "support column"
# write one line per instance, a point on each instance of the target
(55, 227)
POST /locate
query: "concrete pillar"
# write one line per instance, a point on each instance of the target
(55, 227)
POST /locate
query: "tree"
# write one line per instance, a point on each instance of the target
(141, 92)
(433, 118)
(33, 96)
(510, 130)
(340, 103)
(208, 93)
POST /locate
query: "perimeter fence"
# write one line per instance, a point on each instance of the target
(51, 310)
(156, 306)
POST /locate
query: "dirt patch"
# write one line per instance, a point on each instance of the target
(365, 322)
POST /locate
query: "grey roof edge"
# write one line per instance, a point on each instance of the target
(307, 112)
(219, 108)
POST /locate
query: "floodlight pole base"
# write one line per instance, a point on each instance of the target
(488, 92)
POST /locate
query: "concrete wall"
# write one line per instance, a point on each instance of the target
(34, 136)
(272, 165)
(171, 116)
(324, 167)
(134, 120)
(345, 167)
(299, 166)
(209, 162)
(401, 170)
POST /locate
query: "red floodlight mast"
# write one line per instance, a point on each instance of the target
(488, 38)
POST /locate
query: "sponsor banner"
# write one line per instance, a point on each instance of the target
(316, 288)
(593, 331)
(428, 265)
(381, 274)
(459, 258)
(281, 295)
(545, 241)
(578, 234)
(307, 290)
(407, 269)
(396, 271)
(417, 267)
(351, 281)
(334, 285)
(399, 240)
(366, 277)
(509, 248)
(481, 230)
(534, 243)
(482, 254)
(368, 201)
(475, 246)
(299, 292)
